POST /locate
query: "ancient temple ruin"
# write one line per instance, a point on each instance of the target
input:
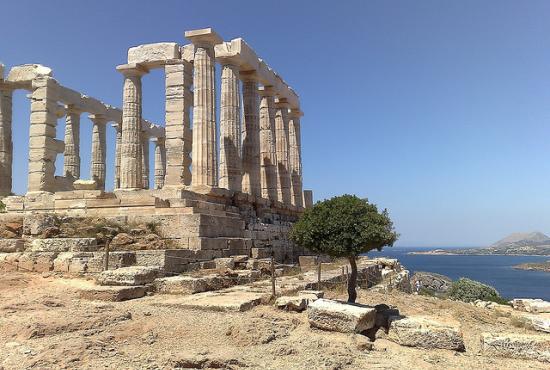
(222, 192)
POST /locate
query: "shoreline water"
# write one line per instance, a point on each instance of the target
(495, 270)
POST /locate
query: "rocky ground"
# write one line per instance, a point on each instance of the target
(44, 325)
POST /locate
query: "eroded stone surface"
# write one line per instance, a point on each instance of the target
(342, 317)
(132, 275)
(531, 347)
(531, 305)
(64, 245)
(11, 245)
(425, 333)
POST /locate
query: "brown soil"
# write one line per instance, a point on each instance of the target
(44, 325)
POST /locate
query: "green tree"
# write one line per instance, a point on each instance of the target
(344, 226)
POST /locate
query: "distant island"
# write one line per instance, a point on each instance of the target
(516, 244)
(543, 266)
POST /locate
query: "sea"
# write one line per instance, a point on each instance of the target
(496, 271)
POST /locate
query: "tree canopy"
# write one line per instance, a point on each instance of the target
(344, 226)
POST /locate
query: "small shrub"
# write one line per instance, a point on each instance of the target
(467, 290)
(2, 207)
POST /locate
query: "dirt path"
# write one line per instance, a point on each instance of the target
(44, 325)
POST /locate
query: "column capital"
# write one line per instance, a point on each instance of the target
(249, 76)
(72, 108)
(204, 37)
(117, 126)
(296, 113)
(281, 103)
(158, 140)
(98, 119)
(266, 91)
(132, 69)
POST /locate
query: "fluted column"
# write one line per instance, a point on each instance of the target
(268, 155)
(43, 146)
(251, 136)
(160, 162)
(179, 137)
(230, 170)
(295, 157)
(71, 156)
(205, 164)
(281, 131)
(131, 145)
(145, 160)
(6, 143)
(118, 141)
(99, 153)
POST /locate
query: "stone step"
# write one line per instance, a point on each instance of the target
(113, 293)
(133, 275)
(214, 301)
(64, 245)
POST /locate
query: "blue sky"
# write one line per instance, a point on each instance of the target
(437, 110)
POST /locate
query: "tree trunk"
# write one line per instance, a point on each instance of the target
(352, 282)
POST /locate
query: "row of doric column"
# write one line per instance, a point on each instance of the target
(257, 149)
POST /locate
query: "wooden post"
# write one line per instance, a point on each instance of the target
(106, 255)
(347, 275)
(272, 275)
(319, 276)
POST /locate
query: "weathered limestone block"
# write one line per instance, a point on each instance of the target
(37, 262)
(27, 72)
(531, 305)
(36, 224)
(180, 285)
(530, 347)
(133, 275)
(64, 245)
(341, 317)
(85, 185)
(112, 293)
(9, 261)
(292, 303)
(224, 263)
(425, 333)
(154, 55)
(11, 245)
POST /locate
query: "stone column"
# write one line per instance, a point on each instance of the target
(295, 157)
(130, 148)
(205, 164)
(99, 146)
(230, 170)
(179, 137)
(160, 162)
(281, 133)
(268, 155)
(145, 160)
(118, 142)
(251, 136)
(43, 146)
(71, 165)
(6, 143)
(308, 198)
